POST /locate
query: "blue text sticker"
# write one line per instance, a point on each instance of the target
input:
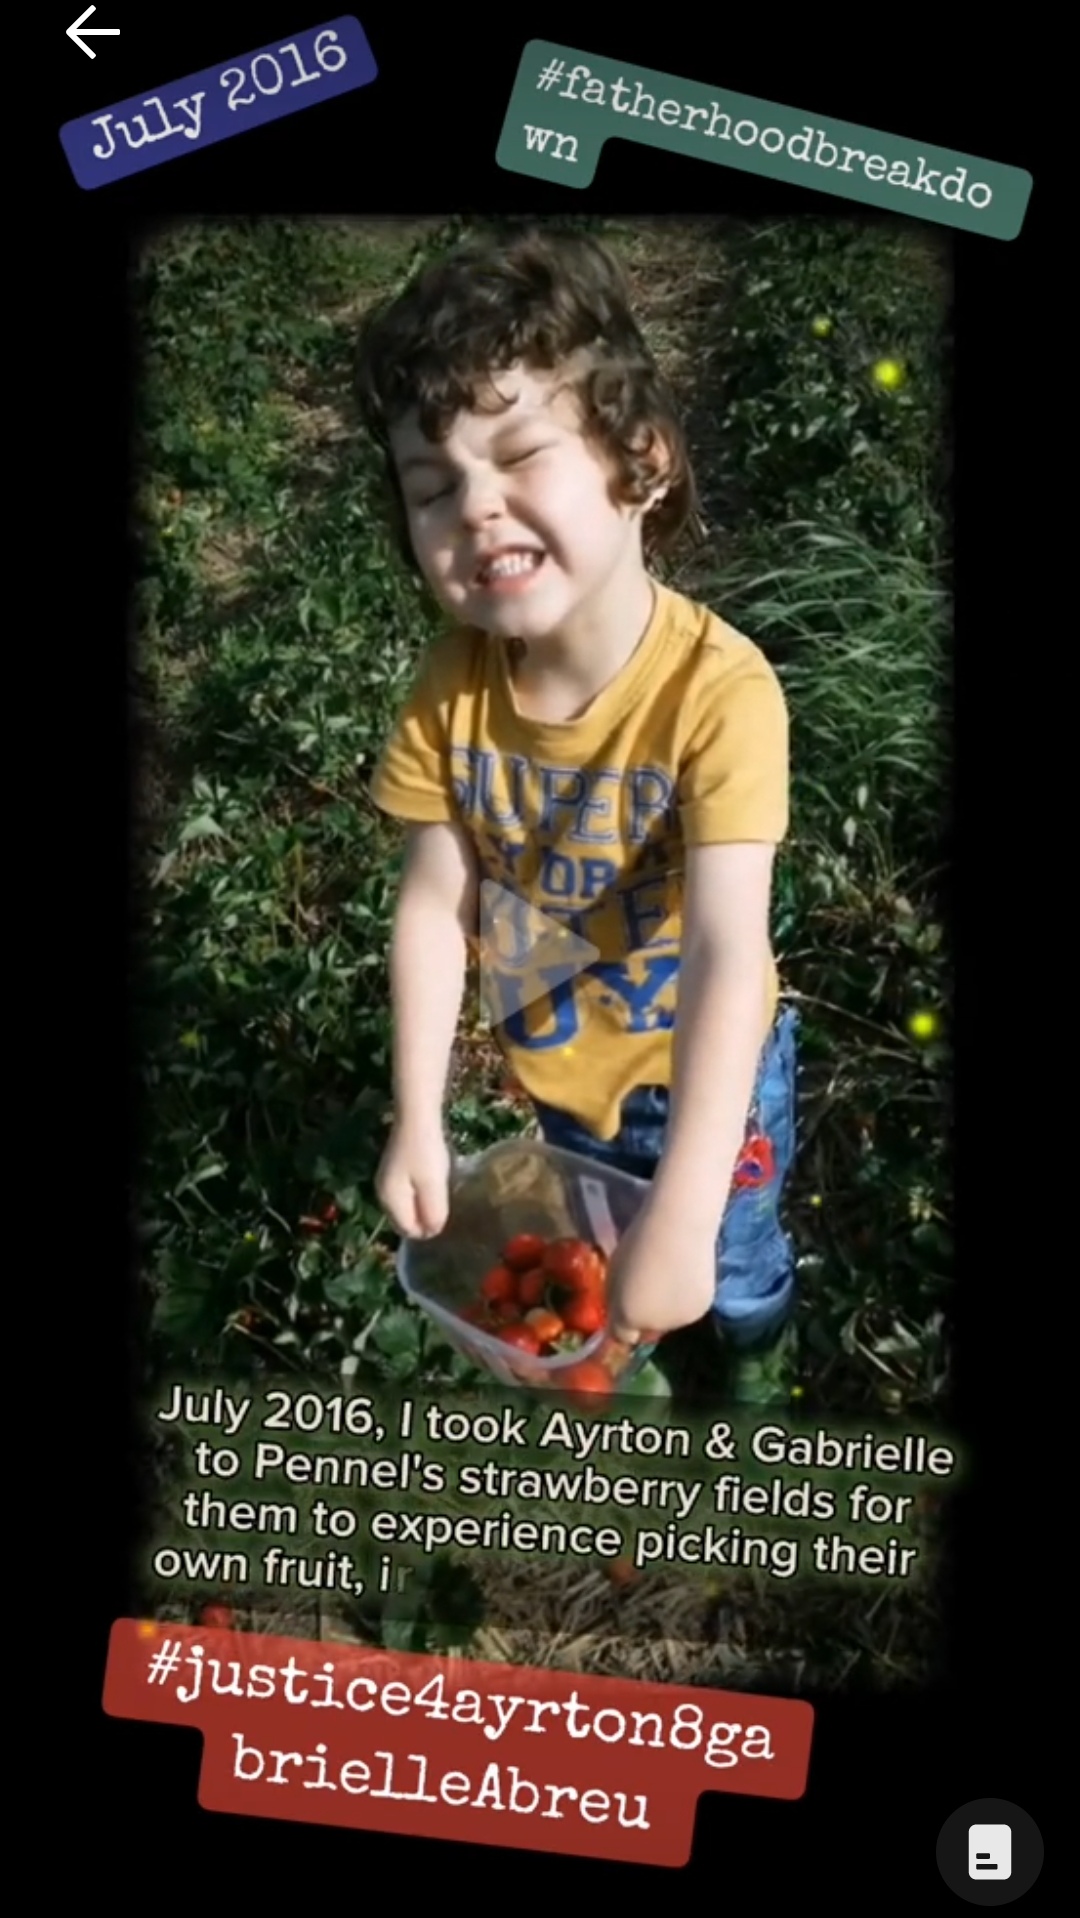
(229, 98)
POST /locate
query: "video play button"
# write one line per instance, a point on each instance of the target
(524, 953)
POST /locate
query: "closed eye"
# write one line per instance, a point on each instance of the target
(430, 499)
(514, 459)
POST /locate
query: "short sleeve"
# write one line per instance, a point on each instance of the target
(412, 779)
(734, 771)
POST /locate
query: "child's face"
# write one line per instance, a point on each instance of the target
(513, 518)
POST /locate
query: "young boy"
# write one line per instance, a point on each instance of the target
(608, 753)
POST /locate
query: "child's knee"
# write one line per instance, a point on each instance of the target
(755, 1296)
(752, 1228)
(755, 1257)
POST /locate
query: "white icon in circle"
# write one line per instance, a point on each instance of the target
(990, 1852)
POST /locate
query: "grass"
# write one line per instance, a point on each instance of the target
(860, 639)
(276, 637)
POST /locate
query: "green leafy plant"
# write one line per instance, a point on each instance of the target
(816, 310)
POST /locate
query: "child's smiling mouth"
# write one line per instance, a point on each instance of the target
(510, 568)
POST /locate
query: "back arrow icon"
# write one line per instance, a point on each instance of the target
(78, 29)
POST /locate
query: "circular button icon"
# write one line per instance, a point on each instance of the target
(989, 1852)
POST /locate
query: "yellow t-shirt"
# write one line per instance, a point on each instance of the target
(587, 821)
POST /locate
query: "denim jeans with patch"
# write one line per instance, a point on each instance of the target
(755, 1259)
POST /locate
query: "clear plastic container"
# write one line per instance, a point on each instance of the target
(520, 1186)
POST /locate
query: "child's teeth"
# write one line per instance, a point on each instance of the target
(512, 563)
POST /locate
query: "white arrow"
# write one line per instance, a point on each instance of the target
(523, 953)
(79, 29)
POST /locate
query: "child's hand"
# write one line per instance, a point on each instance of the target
(413, 1180)
(662, 1275)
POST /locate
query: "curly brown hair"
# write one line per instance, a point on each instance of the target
(542, 300)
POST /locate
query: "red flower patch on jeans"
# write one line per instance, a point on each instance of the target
(757, 1163)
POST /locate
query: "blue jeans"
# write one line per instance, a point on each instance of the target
(755, 1258)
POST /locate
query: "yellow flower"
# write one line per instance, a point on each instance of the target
(889, 375)
(815, 1198)
(797, 1392)
(821, 327)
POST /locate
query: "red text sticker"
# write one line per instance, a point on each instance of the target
(449, 1748)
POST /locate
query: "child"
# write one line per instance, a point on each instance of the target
(608, 753)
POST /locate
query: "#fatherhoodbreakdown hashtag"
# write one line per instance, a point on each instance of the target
(551, 75)
(810, 145)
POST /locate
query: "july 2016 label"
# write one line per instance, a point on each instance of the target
(234, 96)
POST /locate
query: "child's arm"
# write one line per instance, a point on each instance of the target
(665, 1274)
(435, 915)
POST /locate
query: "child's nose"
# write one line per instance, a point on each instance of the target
(481, 499)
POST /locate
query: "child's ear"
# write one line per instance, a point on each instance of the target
(661, 462)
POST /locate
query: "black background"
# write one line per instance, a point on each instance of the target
(421, 140)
